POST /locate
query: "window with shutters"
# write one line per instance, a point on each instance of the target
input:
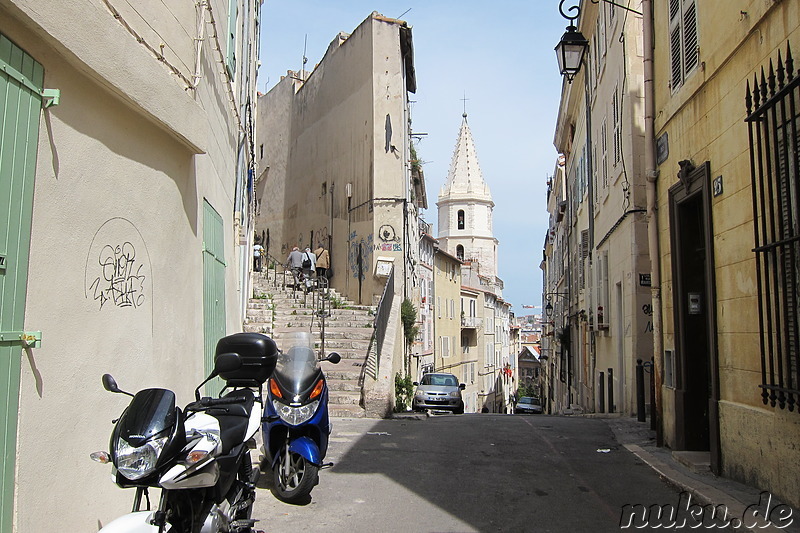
(604, 153)
(601, 285)
(684, 50)
(616, 116)
(601, 33)
(233, 13)
(445, 346)
(595, 183)
(584, 256)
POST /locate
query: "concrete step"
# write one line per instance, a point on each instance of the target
(343, 373)
(257, 327)
(342, 385)
(346, 411)
(331, 333)
(344, 398)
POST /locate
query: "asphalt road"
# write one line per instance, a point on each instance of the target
(469, 473)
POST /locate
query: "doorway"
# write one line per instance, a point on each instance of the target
(694, 304)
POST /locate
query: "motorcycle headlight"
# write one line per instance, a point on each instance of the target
(138, 462)
(295, 415)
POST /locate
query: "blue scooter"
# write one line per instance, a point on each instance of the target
(295, 426)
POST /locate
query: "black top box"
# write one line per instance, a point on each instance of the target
(259, 354)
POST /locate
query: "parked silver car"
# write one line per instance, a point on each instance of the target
(528, 405)
(438, 391)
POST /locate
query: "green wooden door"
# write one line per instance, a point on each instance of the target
(20, 105)
(213, 289)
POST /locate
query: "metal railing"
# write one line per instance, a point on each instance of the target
(382, 321)
(471, 322)
(773, 111)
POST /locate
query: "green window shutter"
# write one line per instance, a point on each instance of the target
(214, 327)
(21, 82)
(233, 13)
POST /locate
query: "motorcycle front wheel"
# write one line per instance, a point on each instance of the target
(293, 477)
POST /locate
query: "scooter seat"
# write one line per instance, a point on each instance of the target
(233, 418)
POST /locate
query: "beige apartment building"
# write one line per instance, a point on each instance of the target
(422, 351)
(607, 297)
(127, 248)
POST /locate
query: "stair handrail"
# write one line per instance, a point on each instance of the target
(381, 320)
(271, 259)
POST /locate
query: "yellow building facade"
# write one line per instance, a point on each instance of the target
(447, 313)
(728, 385)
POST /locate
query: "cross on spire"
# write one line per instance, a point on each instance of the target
(465, 104)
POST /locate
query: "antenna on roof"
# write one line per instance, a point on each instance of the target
(404, 12)
(305, 59)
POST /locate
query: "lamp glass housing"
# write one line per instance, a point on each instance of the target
(570, 52)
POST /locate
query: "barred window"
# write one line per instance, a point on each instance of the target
(773, 118)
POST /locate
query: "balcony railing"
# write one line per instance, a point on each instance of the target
(473, 322)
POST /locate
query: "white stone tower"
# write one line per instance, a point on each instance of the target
(465, 208)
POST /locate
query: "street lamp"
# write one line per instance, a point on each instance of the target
(572, 46)
(548, 309)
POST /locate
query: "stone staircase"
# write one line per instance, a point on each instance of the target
(277, 311)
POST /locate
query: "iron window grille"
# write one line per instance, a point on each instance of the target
(773, 118)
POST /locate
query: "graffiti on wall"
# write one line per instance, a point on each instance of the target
(118, 269)
(647, 309)
(321, 237)
(314, 239)
(359, 257)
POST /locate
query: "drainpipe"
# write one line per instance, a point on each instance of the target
(651, 174)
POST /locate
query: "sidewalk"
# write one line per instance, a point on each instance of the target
(690, 472)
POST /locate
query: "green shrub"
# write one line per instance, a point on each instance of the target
(403, 392)
(408, 315)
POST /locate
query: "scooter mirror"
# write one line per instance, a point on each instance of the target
(109, 384)
(227, 362)
(334, 358)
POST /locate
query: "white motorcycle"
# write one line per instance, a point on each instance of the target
(198, 457)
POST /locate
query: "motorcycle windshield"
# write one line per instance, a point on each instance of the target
(297, 368)
(150, 413)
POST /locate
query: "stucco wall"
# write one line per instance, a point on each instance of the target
(118, 194)
(347, 125)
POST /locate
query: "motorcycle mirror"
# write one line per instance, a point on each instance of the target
(111, 385)
(227, 362)
(224, 362)
(333, 357)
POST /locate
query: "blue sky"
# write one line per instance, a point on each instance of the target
(500, 55)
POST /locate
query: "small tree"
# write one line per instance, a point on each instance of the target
(403, 391)
(408, 315)
(527, 389)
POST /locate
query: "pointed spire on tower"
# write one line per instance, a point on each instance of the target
(465, 176)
